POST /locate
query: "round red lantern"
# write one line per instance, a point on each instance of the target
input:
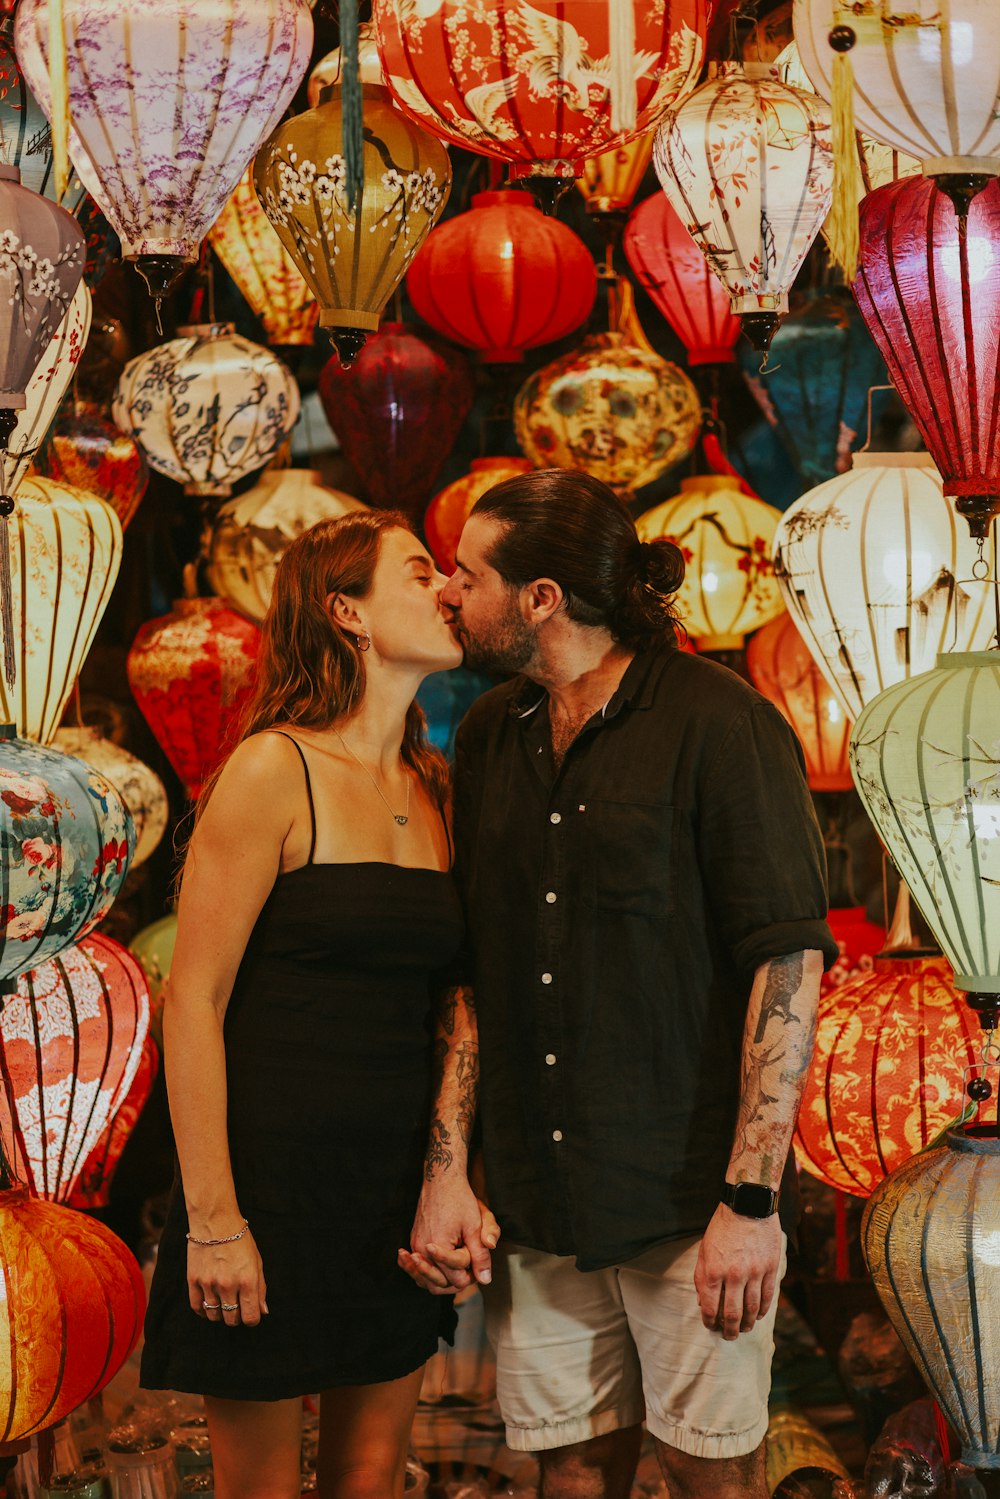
(93, 1185)
(886, 1075)
(782, 669)
(70, 1042)
(928, 287)
(540, 86)
(670, 267)
(451, 508)
(192, 672)
(397, 412)
(502, 278)
(86, 450)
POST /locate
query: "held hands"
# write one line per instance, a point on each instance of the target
(226, 1282)
(453, 1233)
(737, 1271)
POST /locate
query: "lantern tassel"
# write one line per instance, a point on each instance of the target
(7, 594)
(621, 35)
(352, 125)
(59, 86)
(842, 225)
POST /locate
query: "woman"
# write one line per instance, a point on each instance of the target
(316, 905)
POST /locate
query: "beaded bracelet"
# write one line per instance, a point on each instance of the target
(230, 1240)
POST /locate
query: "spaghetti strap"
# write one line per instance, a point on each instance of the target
(312, 810)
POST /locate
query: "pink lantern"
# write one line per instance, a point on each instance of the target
(93, 1185)
(671, 268)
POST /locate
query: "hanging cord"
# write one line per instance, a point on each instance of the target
(871, 391)
(7, 593)
(351, 125)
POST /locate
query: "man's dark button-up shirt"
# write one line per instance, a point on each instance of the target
(618, 908)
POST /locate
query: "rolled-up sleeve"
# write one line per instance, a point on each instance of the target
(760, 849)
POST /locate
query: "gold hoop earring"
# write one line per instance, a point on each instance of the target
(367, 642)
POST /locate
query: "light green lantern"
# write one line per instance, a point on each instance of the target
(925, 755)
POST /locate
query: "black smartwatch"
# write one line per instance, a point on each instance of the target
(750, 1200)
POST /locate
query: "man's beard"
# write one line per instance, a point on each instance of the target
(503, 649)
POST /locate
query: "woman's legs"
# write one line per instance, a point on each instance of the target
(256, 1447)
(364, 1434)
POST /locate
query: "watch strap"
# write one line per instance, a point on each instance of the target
(750, 1199)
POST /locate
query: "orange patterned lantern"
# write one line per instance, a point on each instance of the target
(782, 669)
(262, 268)
(886, 1075)
(93, 1185)
(540, 86)
(86, 450)
(451, 508)
(192, 672)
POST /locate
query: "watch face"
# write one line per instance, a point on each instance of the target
(753, 1201)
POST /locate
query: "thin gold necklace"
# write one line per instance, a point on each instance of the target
(401, 817)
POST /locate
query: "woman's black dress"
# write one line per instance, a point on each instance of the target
(329, 1036)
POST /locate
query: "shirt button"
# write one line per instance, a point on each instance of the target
(555, 817)
(557, 1135)
(546, 978)
(551, 1059)
(551, 897)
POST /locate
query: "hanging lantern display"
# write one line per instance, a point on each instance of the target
(352, 256)
(264, 272)
(41, 266)
(25, 130)
(886, 1075)
(65, 550)
(192, 674)
(543, 86)
(729, 586)
(397, 412)
(918, 76)
(877, 572)
(70, 1043)
(251, 533)
(154, 949)
(168, 101)
(45, 390)
(141, 788)
(207, 407)
(929, 1235)
(93, 1185)
(610, 181)
(816, 391)
(928, 287)
(671, 268)
(502, 278)
(610, 409)
(450, 509)
(89, 452)
(924, 757)
(747, 164)
(782, 669)
(72, 1302)
(67, 841)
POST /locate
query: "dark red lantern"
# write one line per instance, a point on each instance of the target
(929, 289)
(397, 412)
(93, 1186)
(670, 267)
(781, 667)
(502, 278)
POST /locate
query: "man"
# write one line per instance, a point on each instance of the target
(645, 890)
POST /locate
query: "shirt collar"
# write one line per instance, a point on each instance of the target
(637, 687)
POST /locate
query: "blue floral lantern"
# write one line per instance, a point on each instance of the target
(66, 840)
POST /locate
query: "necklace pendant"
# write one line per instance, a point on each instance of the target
(401, 819)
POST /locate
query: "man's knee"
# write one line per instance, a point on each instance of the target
(690, 1477)
(600, 1468)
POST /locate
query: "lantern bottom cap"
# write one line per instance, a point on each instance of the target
(207, 487)
(719, 642)
(946, 659)
(942, 166)
(348, 317)
(979, 983)
(161, 272)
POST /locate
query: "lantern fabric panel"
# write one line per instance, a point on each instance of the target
(45, 390)
(781, 667)
(876, 570)
(208, 407)
(70, 1045)
(25, 129)
(609, 409)
(93, 1184)
(930, 296)
(142, 790)
(451, 507)
(886, 1074)
(66, 838)
(261, 267)
(541, 86)
(924, 759)
(88, 452)
(671, 268)
(65, 551)
(502, 277)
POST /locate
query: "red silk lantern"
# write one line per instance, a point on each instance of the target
(670, 267)
(93, 1185)
(192, 672)
(782, 669)
(886, 1075)
(86, 450)
(397, 412)
(449, 510)
(71, 1307)
(502, 278)
(928, 287)
(70, 1043)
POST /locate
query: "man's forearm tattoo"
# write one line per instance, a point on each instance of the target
(467, 1077)
(439, 1157)
(772, 1074)
(784, 979)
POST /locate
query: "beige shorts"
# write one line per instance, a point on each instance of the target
(580, 1354)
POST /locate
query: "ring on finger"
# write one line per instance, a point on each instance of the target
(211, 1306)
(227, 1307)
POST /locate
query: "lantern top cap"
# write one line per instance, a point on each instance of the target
(974, 1144)
(480, 465)
(743, 70)
(206, 330)
(711, 484)
(502, 195)
(892, 460)
(9, 173)
(966, 660)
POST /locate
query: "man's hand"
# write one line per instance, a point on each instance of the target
(452, 1236)
(737, 1271)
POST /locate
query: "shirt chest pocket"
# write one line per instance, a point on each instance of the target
(630, 856)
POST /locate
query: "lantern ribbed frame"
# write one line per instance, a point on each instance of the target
(781, 667)
(747, 164)
(672, 269)
(45, 390)
(65, 551)
(70, 1044)
(926, 763)
(876, 570)
(141, 788)
(886, 1072)
(266, 275)
(93, 1184)
(451, 507)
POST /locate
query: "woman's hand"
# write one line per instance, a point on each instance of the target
(226, 1282)
(438, 1268)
